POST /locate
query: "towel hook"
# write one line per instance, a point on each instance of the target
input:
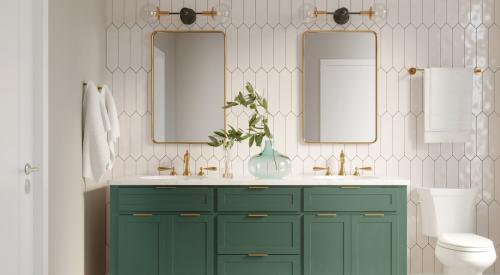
(98, 87)
(413, 70)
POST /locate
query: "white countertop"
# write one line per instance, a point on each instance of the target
(246, 181)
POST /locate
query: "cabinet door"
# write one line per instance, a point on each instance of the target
(375, 244)
(327, 244)
(139, 249)
(190, 245)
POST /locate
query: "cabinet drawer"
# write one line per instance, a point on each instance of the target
(255, 198)
(351, 199)
(273, 234)
(269, 265)
(157, 199)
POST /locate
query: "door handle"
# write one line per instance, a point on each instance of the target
(257, 254)
(28, 169)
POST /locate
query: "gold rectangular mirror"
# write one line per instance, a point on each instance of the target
(188, 85)
(339, 93)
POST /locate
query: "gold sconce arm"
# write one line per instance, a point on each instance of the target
(414, 70)
(327, 169)
(202, 169)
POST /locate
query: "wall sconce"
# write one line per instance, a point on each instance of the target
(220, 14)
(377, 13)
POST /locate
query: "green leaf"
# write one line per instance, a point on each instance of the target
(258, 140)
(220, 133)
(251, 141)
(264, 104)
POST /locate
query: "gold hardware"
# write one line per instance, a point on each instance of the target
(257, 254)
(374, 214)
(342, 163)
(258, 215)
(350, 187)
(258, 187)
(165, 187)
(370, 13)
(356, 170)
(152, 86)
(202, 173)
(142, 215)
(190, 214)
(326, 215)
(99, 88)
(327, 169)
(171, 169)
(187, 170)
(413, 70)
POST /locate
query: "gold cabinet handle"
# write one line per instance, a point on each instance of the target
(257, 215)
(165, 187)
(258, 187)
(190, 214)
(257, 254)
(350, 187)
(142, 215)
(326, 215)
(374, 214)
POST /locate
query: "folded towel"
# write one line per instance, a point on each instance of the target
(96, 125)
(448, 105)
(114, 131)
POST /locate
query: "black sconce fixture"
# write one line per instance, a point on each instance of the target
(220, 14)
(341, 16)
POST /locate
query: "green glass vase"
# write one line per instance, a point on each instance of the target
(269, 164)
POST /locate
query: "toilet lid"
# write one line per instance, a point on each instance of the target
(465, 242)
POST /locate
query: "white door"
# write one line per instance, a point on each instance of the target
(23, 133)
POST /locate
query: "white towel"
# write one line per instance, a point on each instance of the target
(114, 131)
(96, 125)
(447, 105)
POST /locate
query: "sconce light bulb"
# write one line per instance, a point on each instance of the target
(308, 13)
(150, 13)
(379, 13)
(222, 14)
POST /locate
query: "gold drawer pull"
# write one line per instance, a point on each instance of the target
(258, 215)
(326, 215)
(258, 187)
(165, 187)
(350, 187)
(142, 215)
(190, 214)
(374, 214)
(257, 254)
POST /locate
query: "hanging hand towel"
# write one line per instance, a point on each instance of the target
(447, 105)
(114, 131)
(96, 125)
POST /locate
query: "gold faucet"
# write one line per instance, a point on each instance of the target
(202, 169)
(356, 170)
(342, 164)
(171, 169)
(187, 171)
(327, 169)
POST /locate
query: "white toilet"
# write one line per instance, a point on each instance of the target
(449, 215)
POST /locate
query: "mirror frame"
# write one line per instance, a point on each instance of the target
(152, 92)
(303, 87)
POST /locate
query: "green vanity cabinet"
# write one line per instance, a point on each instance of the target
(327, 241)
(264, 230)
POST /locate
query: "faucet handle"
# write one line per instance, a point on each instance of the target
(327, 169)
(366, 168)
(210, 168)
(171, 169)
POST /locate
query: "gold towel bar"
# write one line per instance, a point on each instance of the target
(413, 70)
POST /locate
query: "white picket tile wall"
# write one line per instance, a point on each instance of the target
(263, 47)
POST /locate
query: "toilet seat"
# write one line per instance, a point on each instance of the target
(465, 242)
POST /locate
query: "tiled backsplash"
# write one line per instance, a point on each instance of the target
(264, 47)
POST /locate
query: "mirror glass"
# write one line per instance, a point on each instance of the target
(340, 86)
(188, 85)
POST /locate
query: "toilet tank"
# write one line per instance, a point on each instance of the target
(446, 210)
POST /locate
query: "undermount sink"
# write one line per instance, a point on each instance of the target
(343, 177)
(168, 177)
